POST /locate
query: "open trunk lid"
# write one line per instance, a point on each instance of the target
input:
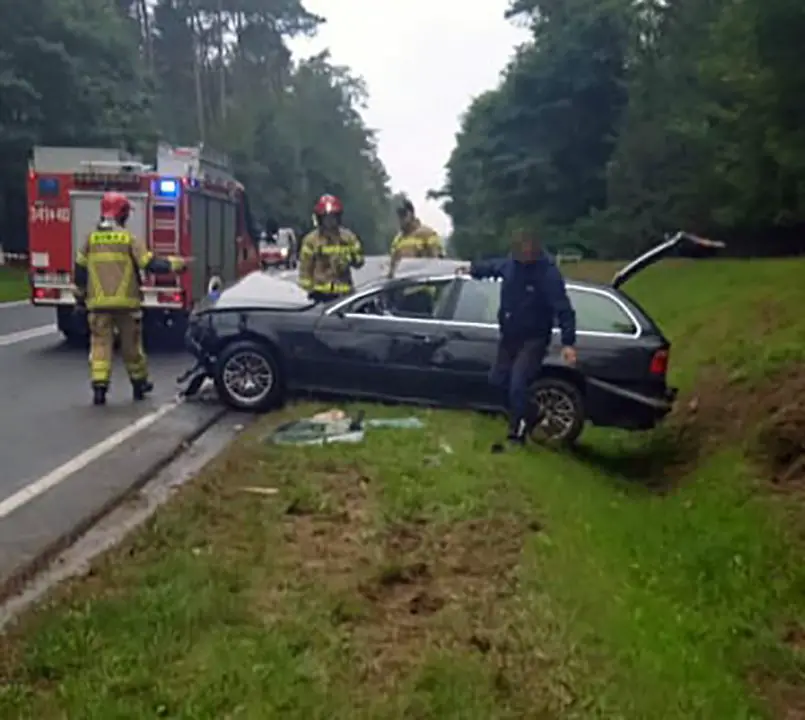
(681, 244)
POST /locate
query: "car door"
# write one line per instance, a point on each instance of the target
(416, 310)
(379, 343)
(350, 345)
(606, 332)
(461, 364)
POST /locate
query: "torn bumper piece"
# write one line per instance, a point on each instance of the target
(196, 375)
(194, 378)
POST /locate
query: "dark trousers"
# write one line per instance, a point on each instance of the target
(517, 366)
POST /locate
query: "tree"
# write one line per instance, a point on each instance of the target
(130, 73)
(536, 149)
(625, 119)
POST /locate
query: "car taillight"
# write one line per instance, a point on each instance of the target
(170, 298)
(659, 363)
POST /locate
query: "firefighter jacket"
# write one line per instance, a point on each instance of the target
(108, 265)
(325, 262)
(420, 241)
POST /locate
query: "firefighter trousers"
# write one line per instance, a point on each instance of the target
(102, 325)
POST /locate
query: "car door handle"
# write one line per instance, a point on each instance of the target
(422, 337)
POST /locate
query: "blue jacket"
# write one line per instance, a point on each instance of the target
(532, 296)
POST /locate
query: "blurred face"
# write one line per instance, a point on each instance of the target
(526, 247)
(329, 222)
(406, 219)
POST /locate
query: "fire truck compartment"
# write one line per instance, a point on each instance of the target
(85, 213)
(213, 229)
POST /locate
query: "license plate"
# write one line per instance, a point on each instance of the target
(52, 279)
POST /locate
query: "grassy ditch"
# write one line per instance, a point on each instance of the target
(418, 575)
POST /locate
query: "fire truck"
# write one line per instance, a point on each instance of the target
(188, 204)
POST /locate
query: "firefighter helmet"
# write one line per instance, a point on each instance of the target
(115, 205)
(328, 205)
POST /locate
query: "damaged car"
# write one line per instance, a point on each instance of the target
(429, 336)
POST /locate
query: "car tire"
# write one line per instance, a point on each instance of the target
(258, 362)
(561, 403)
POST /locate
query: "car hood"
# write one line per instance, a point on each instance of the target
(259, 290)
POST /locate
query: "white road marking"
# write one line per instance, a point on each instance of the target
(79, 462)
(14, 303)
(29, 334)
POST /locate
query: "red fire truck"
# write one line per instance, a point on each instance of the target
(189, 204)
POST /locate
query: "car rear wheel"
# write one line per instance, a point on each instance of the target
(560, 405)
(248, 377)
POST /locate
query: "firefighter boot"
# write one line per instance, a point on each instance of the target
(98, 394)
(141, 388)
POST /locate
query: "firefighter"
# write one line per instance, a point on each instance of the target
(328, 253)
(413, 240)
(107, 285)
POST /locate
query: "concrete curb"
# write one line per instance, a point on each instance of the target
(16, 582)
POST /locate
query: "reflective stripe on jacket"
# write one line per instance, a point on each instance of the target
(421, 241)
(112, 257)
(325, 263)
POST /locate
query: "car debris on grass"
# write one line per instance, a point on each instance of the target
(334, 426)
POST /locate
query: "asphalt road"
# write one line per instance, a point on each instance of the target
(57, 452)
(62, 460)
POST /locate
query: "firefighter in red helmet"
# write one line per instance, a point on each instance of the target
(328, 254)
(107, 285)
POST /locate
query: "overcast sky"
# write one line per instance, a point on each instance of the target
(424, 61)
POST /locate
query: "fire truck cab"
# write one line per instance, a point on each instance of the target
(188, 204)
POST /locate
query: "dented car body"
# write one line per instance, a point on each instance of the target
(429, 336)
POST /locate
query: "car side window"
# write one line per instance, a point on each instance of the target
(370, 305)
(423, 300)
(478, 302)
(596, 312)
(415, 300)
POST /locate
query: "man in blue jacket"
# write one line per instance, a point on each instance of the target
(532, 296)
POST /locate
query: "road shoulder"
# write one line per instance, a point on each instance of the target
(32, 535)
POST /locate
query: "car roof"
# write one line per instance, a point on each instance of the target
(421, 269)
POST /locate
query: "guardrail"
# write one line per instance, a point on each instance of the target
(562, 258)
(12, 259)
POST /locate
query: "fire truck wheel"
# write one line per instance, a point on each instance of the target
(248, 377)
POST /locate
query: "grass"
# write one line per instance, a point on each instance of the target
(417, 575)
(13, 284)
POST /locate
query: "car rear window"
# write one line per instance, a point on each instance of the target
(479, 300)
(598, 312)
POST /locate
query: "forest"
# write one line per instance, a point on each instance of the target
(128, 73)
(622, 120)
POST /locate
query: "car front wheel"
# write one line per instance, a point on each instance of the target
(248, 377)
(560, 406)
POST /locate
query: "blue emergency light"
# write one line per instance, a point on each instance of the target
(167, 188)
(48, 187)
